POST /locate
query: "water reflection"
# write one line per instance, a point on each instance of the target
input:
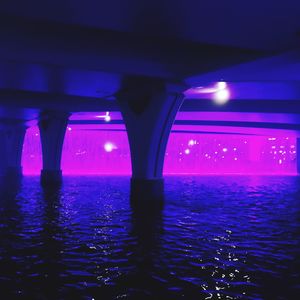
(10, 223)
(51, 270)
(147, 228)
(32, 243)
(226, 238)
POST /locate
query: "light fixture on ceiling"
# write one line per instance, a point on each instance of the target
(106, 117)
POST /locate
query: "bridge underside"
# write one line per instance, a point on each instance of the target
(55, 68)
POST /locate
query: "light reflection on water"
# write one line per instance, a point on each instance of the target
(217, 238)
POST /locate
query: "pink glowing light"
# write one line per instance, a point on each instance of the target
(84, 153)
(32, 152)
(229, 154)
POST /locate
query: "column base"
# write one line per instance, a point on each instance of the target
(147, 194)
(51, 177)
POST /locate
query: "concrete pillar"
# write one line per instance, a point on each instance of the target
(298, 155)
(52, 125)
(11, 138)
(149, 108)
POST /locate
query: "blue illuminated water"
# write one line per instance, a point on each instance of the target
(217, 238)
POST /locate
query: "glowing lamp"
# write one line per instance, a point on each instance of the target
(106, 117)
(221, 96)
(221, 85)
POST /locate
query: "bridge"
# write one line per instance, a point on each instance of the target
(146, 60)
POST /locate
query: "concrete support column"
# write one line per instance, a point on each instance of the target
(52, 125)
(11, 138)
(149, 108)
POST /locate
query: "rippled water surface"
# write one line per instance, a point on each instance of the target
(217, 238)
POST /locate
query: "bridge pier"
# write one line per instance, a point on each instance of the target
(12, 137)
(149, 109)
(52, 125)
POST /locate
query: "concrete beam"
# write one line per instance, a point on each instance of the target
(276, 68)
(243, 105)
(111, 51)
(54, 101)
(58, 101)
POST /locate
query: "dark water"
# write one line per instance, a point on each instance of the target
(217, 238)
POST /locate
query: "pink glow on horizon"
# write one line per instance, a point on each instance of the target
(84, 152)
(230, 154)
(236, 130)
(96, 152)
(32, 152)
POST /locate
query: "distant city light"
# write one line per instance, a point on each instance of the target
(192, 142)
(109, 147)
(187, 151)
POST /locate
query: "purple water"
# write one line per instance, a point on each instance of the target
(216, 238)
